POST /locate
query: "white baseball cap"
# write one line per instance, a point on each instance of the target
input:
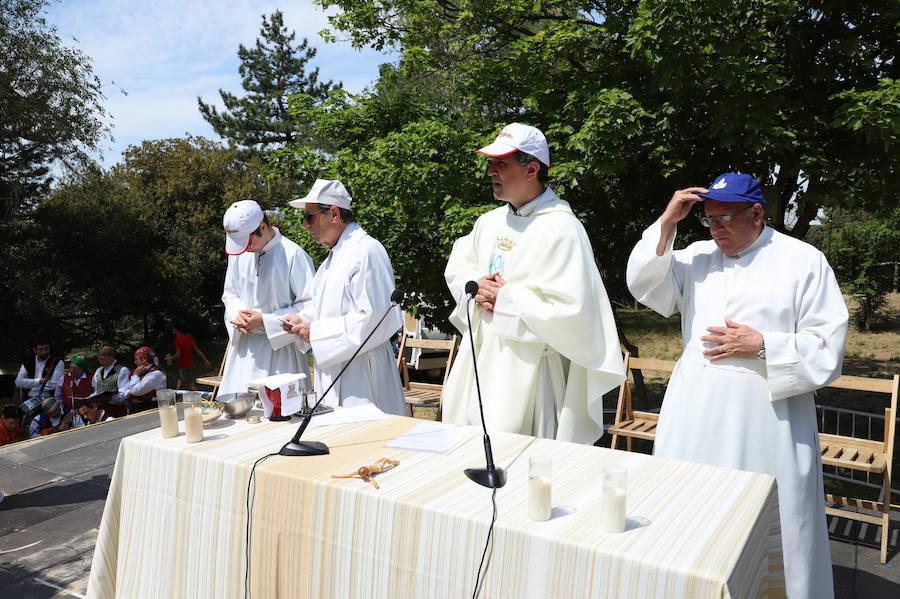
(241, 219)
(325, 192)
(524, 138)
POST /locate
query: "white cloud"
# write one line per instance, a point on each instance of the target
(165, 54)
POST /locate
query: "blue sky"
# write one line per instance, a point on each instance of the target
(165, 53)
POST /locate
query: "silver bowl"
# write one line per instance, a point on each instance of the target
(210, 411)
(239, 406)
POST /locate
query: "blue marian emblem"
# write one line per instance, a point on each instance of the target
(497, 264)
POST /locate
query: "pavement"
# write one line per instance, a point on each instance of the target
(56, 490)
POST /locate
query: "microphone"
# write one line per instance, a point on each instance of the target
(296, 447)
(490, 476)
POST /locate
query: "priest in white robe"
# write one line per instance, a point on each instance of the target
(349, 294)
(265, 280)
(545, 337)
(763, 325)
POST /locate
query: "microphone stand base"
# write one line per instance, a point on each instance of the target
(492, 478)
(301, 448)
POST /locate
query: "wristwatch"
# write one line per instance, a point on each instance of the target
(761, 354)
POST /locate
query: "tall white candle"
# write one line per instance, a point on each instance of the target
(539, 498)
(612, 518)
(193, 424)
(168, 421)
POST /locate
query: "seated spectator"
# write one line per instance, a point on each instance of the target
(109, 380)
(145, 380)
(185, 346)
(54, 417)
(76, 384)
(11, 427)
(39, 373)
(90, 412)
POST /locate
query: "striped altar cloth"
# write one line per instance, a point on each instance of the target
(175, 516)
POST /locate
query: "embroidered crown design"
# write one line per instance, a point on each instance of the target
(505, 243)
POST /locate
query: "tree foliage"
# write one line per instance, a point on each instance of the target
(49, 104)
(863, 251)
(270, 71)
(637, 99)
(50, 116)
(116, 255)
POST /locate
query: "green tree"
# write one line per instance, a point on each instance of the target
(271, 71)
(50, 117)
(124, 251)
(863, 252)
(647, 103)
(409, 165)
(637, 99)
(49, 104)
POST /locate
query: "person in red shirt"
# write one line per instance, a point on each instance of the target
(185, 346)
(11, 426)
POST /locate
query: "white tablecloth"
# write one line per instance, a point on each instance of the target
(174, 523)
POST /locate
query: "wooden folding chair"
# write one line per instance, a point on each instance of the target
(424, 394)
(865, 455)
(215, 381)
(629, 423)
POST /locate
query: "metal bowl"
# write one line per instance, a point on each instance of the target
(210, 411)
(240, 405)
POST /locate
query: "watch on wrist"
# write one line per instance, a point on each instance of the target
(761, 354)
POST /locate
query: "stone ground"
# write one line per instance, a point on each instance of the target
(56, 489)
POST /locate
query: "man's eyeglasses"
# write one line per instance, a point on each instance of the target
(724, 219)
(308, 216)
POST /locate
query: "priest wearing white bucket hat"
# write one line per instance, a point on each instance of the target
(265, 279)
(545, 337)
(350, 292)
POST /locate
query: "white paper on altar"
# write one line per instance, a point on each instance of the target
(434, 437)
(292, 387)
(362, 413)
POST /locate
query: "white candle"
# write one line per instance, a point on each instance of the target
(539, 500)
(193, 424)
(613, 515)
(168, 421)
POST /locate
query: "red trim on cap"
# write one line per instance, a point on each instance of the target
(249, 241)
(513, 151)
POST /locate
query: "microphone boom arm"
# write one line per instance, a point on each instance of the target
(296, 447)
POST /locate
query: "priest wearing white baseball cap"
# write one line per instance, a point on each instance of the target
(265, 279)
(348, 295)
(545, 337)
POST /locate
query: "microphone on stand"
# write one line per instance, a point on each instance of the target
(296, 447)
(490, 476)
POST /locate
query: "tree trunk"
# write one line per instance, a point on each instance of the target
(785, 188)
(808, 209)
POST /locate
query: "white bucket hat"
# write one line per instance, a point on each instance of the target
(325, 192)
(241, 219)
(524, 138)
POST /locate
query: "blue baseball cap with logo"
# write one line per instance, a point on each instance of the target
(735, 187)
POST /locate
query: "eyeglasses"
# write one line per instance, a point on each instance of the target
(723, 220)
(308, 216)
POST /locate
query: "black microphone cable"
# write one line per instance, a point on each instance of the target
(487, 543)
(249, 517)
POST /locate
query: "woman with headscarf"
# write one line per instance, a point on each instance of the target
(145, 379)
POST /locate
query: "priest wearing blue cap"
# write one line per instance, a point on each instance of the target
(763, 324)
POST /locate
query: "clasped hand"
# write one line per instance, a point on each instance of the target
(488, 288)
(247, 320)
(732, 341)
